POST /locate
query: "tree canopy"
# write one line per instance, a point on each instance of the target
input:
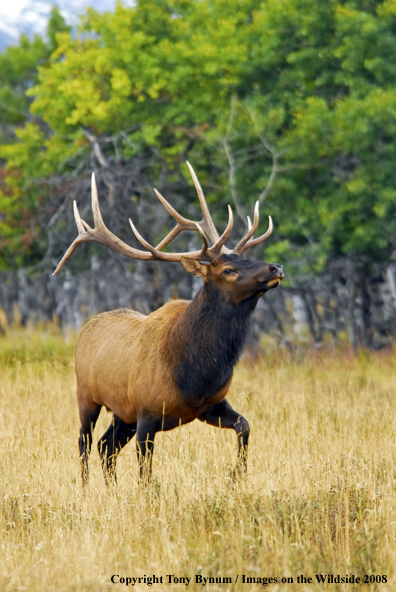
(292, 102)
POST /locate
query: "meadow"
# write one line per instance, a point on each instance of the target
(319, 497)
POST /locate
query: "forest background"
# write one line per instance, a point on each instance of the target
(291, 102)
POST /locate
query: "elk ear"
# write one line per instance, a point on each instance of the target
(194, 267)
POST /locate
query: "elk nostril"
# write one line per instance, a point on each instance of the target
(273, 268)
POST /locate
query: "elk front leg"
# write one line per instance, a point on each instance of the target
(111, 443)
(223, 415)
(145, 434)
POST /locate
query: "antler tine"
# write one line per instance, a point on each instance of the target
(247, 241)
(259, 239)
(218, 247)
(205, 246)
(149, 247)
(97, 215)
(182, 223)
(185, 224)
(82, 236)
(178, 217)
(207, 222)
(77, 217)
(249, 222)
(250, 232)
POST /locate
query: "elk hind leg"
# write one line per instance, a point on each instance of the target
(224, 416)
(88, 419)
(110, 444)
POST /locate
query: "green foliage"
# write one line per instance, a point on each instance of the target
(18, 67)
(24, 146)
(239, 87)
(56, 25)
(331, 68)
(137, 65)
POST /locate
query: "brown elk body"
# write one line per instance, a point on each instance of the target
(175, 365)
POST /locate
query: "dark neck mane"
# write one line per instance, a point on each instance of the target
(206, 343)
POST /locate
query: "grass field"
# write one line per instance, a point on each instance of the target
(319, 497)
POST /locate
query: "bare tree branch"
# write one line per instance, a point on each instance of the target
(93, 140)
(275, 157)
(232, 164)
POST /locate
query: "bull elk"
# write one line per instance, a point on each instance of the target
(175, 365)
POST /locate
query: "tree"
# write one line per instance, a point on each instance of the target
(292, 101)
(329, 68)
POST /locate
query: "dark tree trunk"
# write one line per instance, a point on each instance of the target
(352, 291)
(312, 315)
(367, 328)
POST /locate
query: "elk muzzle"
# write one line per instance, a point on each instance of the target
(271, 276)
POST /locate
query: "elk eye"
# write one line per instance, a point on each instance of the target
(229, 272)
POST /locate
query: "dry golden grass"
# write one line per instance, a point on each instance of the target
(319, 497)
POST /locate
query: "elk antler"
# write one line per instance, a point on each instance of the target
(101, 234)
